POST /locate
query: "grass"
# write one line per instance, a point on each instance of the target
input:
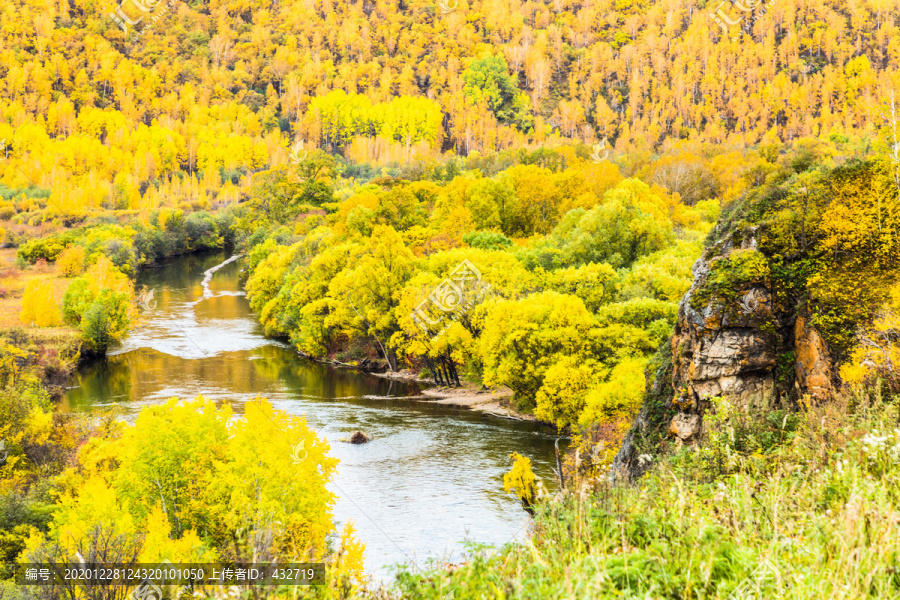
(801, 505)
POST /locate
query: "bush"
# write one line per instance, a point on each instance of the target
(76, 300)
(202, 231)
(229, 487)
(106, 320)
(39, 306)
(71, 261)
(521, 479)
(487, 240)
(100, 305)
(48, 248)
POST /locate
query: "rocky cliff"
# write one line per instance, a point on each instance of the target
(736, 337)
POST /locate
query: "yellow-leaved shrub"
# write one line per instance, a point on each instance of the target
(619, 398)
(39, 307)
(878, 349)
(521, 479)
(71, 261)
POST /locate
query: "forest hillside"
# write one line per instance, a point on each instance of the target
(185, 103)
(662, 236)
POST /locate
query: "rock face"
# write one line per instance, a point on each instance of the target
(737, 361)
(685, 426)
(732, 339)
(812, 367)
(726, 347)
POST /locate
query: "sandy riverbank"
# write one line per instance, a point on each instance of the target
(496, 402)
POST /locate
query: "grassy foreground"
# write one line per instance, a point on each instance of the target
(775, 504)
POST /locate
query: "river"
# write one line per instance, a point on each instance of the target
(430, 480)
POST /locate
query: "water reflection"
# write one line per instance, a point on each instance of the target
(431, 477)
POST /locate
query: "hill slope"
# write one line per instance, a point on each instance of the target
(214, 90)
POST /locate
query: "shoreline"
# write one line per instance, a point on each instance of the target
(497, 402)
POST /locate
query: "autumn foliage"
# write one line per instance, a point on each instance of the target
(215, 92)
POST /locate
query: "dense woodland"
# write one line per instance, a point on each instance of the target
(578, 156)
(215, 91)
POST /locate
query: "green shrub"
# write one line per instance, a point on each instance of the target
(487, 240)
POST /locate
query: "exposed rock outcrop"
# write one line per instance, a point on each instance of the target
(727, 346)
(686, 427)
(733, 338)
(812, 365)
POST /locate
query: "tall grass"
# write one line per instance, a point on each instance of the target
(785, 504)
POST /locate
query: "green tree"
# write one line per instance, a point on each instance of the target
(76, 301)
(487, 240)
(523, 338)
(316, 173)
(494, 205)
(366, 295)
(281, 193)
(400, 208)
(487, 79)
(106, 320)
(100, 304)
(271, 196)
(617, 232)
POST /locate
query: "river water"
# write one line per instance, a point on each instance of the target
(430, 480)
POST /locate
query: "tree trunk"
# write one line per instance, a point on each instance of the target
(435, 373)
(446, 373)
(453, 372)
(391, 359)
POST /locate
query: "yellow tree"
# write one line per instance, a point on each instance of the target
(39, 308)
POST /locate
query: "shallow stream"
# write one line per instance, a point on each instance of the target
(430, 480)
